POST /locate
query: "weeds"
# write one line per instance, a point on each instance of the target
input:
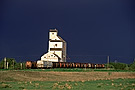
(109, 73)
(5, 86)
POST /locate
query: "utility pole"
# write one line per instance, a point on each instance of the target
(21, 65)
(115, 61)
(108, 61)
(5, 63)
(85, 66)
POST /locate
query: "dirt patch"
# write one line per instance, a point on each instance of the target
(61, 76)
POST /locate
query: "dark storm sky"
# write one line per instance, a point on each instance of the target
(90, 27)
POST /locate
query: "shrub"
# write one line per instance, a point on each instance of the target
(132, 66)
(118, 66)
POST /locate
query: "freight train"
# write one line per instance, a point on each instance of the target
(49, 64)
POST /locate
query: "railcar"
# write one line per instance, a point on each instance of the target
(31, 64)
(28, 64)
(44, 64)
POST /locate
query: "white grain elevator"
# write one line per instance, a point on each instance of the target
(56, 50)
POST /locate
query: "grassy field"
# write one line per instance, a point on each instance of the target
(75, 79)
(117, 84)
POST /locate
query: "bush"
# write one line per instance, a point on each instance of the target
(2, 64)
(118, 66)
(132, 66)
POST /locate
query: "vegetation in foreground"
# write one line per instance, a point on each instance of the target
(115, 84)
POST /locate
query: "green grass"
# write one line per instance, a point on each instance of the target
(71, 70)
(118, 84)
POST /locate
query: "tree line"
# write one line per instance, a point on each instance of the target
(121, 66)
(10, 63)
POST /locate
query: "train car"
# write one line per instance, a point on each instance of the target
(102, 66)
(89, 65)
(67, 65)
(28, 64)
(56, 64)
(44, 64)
(31, 64)
(34, 65)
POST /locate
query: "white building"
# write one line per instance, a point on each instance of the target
(57, 48)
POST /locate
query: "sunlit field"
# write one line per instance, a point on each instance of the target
(114, 84)
(74, 79)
